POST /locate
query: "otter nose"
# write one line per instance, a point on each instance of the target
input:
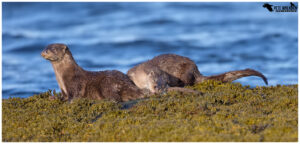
(44, 52)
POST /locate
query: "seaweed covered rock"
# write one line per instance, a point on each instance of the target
(224, 112)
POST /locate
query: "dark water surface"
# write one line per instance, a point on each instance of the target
(219, 37)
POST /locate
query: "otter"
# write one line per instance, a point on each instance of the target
(172, 72)
(153, 80)
(75, 82)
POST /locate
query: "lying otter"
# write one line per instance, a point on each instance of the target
(153, 80)
(169, 70)
(76, 82)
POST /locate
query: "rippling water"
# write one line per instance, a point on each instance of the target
(219, 37)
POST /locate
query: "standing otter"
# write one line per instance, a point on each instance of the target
(76, 82)
(170, 70)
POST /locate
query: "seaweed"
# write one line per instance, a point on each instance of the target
(223, 112)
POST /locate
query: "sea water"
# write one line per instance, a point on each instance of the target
(218, 37)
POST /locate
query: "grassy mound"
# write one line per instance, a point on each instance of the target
(225, 112)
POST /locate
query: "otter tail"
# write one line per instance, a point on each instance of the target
(233, 75)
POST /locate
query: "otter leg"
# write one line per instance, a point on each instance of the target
(163, 89)
(63, 96)
(115, 97)
(132, 93)
(184, 90)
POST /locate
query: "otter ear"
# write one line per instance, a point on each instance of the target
(65, 48)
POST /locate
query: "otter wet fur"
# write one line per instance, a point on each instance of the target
(76, 82)
(169, 70)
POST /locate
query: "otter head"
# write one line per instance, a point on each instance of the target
(54, 52)
(157, 81)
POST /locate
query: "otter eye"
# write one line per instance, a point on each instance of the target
(53, 50)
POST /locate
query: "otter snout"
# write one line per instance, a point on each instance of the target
(44, 53)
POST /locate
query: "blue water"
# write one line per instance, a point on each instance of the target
(219, 37)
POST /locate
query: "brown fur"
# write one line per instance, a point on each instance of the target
(170, 70)
(75, 82)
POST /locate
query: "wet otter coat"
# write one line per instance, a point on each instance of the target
(77, 82)
(169, 70)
